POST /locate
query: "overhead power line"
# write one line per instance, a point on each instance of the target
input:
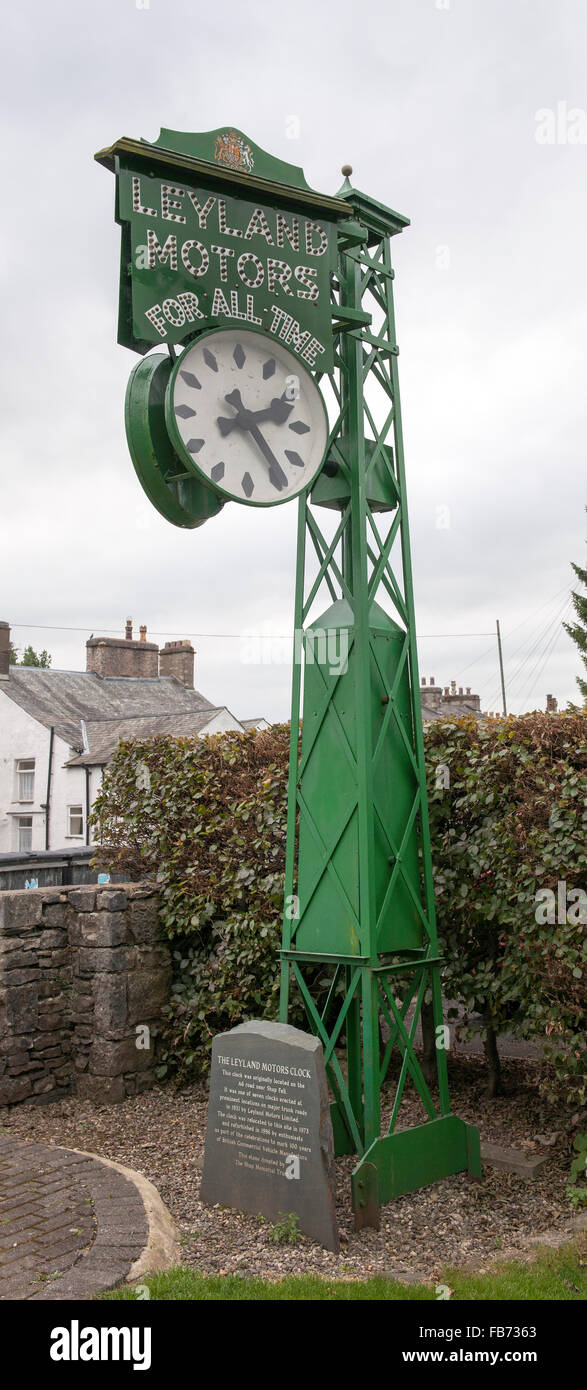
(237, 636)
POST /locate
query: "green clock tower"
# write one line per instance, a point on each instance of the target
(278, 378)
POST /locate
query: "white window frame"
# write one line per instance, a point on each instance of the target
(77, 810)
(28, 827)
(25, 769)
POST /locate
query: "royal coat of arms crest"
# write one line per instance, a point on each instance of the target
(232, 150)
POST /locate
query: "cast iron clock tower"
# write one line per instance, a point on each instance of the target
(278, 378)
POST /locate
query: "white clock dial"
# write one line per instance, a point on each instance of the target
(247, 417)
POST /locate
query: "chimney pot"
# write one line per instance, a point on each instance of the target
(460, 689)
(453, 687)
(143, 632)
(468, 690)
(128, 632)
(432, 680)
(423, 680)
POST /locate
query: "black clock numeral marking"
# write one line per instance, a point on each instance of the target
(299, 427)
(268, 367)
(194, 445)
(184, 411)
(239, 355)
(294, 458)
(191, 380)
(210, 360)
(217, 472)
(247, 484)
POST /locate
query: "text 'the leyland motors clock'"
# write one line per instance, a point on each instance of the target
(246, 416)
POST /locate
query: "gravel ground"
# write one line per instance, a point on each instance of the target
(454, 1223)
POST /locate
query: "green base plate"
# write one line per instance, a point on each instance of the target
(410, 1159)
(176, 493)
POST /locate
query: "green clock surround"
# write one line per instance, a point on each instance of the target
(246, 417)
(173, 490)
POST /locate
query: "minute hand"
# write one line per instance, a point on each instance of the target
(276, 473)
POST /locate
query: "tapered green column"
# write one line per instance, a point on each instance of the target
(362, 946)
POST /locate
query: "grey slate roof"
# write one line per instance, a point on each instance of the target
(105, 735)
(456, 711)
(63, 698)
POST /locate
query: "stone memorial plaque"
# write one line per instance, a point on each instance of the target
(269, 1147)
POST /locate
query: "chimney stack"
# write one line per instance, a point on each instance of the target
(177, 659)
(121, 656)
(4, 651)
(551, 704)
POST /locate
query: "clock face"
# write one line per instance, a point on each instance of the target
(246, 416)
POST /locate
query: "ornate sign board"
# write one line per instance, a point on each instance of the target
(217, 233)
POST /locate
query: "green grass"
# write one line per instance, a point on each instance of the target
(553, 1275)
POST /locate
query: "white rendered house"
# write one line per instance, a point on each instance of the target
(59, 730)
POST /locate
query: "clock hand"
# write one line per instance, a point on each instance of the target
(246, 420)
(277, 411)
(234, 398)
(280, 410)
(276, 473)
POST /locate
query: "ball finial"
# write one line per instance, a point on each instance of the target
(347, 170)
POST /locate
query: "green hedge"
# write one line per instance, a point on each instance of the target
(511, 824)
(206, 818)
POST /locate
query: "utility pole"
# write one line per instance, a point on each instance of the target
(500, 654)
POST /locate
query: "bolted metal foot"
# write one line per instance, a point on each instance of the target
(365, 1198)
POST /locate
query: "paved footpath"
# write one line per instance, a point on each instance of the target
(69, 1225)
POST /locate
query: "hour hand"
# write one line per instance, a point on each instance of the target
(277, 411)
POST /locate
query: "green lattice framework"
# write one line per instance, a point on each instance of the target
(363, 558)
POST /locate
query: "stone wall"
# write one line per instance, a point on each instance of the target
(84, 975)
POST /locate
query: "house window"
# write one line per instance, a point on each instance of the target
(25, 833)
(25, 775)
(76, 820)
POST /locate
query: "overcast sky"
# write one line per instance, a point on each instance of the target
(442, 110)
